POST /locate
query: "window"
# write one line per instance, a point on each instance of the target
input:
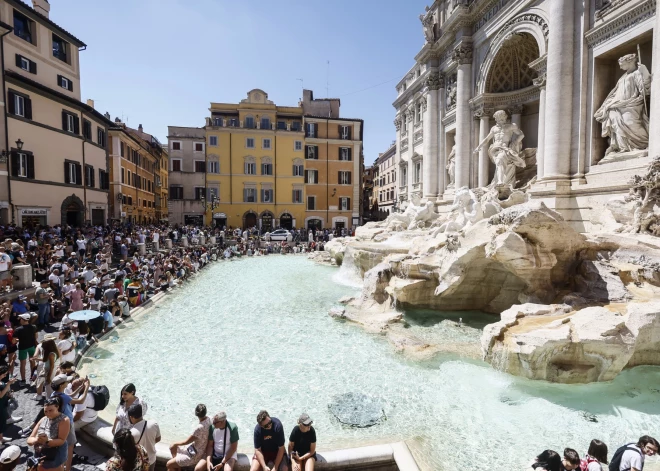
(344, 204)
(65, 83)
(19, 106)
(200, 192)
(70, 122)
(249, 122)
(311, 177)
(176, 192)
(22, 165)
(72, 173)
(26, 64)
(296, 126)
(213, 167)
(265, 123)
(199, 147)
(344, 178)
(297, 196)
(217, 122)
(176, 145)
(60, 48)
(100, 136)
(404, 176)
(89, 176)
(121, 148)
(144, 203)
(312, 152)
(311, 130)
(266, 169)
(267, 196)
(418, 113)
(213, 140)
(129, 180)
(404, 121)
(344, 153)
(281, 125)
(418, 172)
(104, 181)
(297, 145)
(249, 195)
(250, 168)
(233, 122)
(87, 130)
(123, 175)
(176, 165)
(249, 142)
(213, 192)
(200, 166)
(311, 203)
(265, 144)
(298, 170)
(23, 27)
(344, 132)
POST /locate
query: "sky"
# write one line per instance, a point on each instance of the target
(161, 63)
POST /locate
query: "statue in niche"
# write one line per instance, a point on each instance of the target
(505, 151)
(623, 114)
(451, 166)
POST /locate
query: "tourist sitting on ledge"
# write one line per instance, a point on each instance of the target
(302, 445)
(127, 399)
(128, 456)
(549, 460)
(269, 444)
(631, 456)
(145, 433)
(595, 457)
(221, 446)
(189, 452)
(571, 460)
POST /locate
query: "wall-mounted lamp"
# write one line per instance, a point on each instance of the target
(4, 154)
(334, 191)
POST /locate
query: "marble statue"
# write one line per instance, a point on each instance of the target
(451, 166)
(623, 113)
(423, 215)
(467, 210)
(505, 151)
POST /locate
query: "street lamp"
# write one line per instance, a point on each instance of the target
(4, 154)
(211, 205)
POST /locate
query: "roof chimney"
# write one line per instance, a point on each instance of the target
(90, 102)
(41, 6)
(140, 128)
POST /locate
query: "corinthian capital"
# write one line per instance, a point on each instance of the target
(539, 81)
(434, 81)
(397, 123)
(462, 53)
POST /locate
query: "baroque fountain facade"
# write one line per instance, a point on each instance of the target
(525, 127)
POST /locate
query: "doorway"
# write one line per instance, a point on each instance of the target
(286, 221)
(249, 220)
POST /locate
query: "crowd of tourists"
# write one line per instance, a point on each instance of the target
(629, 457)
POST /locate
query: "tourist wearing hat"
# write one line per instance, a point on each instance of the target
(9, 458)
(302, 445)
(59, 384)
(26, 335)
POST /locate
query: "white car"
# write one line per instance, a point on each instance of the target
(279, 234)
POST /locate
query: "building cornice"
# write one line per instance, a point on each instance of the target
(625, 21)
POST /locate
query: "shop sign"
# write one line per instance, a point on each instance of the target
(34, 212)
(219, 216)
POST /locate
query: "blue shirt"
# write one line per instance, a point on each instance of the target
(66, 404)
(19, 307)
(107, 317)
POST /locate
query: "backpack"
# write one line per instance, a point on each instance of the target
(615, 462)
(101, 397)
(584, 462)
(98, 293)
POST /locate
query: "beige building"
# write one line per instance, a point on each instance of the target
(187, 177)
(57, 170)
(386, 179)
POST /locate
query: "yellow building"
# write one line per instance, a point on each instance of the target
(255, 164)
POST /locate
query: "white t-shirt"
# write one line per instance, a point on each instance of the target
(82, 244)
(66, 344)
(156, 236)
(149, 437)
(595, 466)
(89, 414)
(632, 459)
(219, 446)
(90, 293)
(55, 279)
(4, 262)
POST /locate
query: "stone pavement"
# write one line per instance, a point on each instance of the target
(28, 408)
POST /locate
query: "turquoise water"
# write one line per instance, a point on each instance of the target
(255, 334)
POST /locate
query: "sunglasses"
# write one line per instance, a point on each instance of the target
(268, 425)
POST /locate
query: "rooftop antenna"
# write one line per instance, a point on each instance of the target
(327, 86)
(302, 84)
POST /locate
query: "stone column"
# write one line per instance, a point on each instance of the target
(483, 115)
(410, 117)
(184, 241)
(430, 152)
(442, 156)
(463, 56)
(516, 114)
(540, 149)
(168, 243)
(156, 246)
(654, 104)
(142, 248)
(559, 94)
(212, 240)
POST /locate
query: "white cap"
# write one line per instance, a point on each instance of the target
(10, 454)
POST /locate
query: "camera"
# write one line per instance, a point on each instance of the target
(32, 462)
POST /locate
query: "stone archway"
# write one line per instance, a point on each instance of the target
(267, 221)
(72, 211)
(510, 69)
(249, 219)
